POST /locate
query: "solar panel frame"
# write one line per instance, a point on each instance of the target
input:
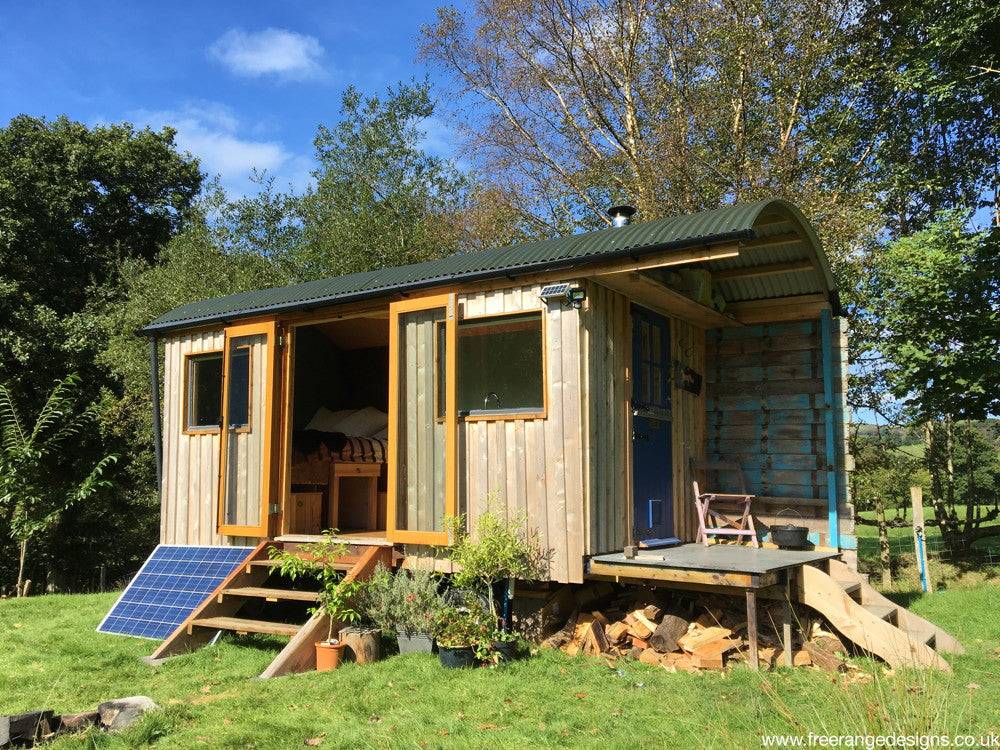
(172, 581)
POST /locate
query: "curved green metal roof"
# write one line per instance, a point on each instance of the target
(718, 225)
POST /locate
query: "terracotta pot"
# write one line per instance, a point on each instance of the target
(328, 655)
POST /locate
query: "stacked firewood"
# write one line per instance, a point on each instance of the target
(690, 634)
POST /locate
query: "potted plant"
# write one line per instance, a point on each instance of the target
(404, 605)
(492, 558)
(462, 635)
(335, 596)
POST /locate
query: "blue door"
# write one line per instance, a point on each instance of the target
(652, 468)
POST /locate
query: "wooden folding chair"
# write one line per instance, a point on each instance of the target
(711, 521)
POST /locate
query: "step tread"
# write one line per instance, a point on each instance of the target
(343, 564)
(261, 592)
(240, 625)
(921, 636)
(881, 611)
(849, 587)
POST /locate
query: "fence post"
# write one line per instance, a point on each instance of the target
(919, 542)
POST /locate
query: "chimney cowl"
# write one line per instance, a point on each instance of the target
(620, 215)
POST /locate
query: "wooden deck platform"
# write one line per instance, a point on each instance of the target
(715, 565)
(815, 578)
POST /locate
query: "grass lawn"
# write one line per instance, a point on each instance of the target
(51, 658)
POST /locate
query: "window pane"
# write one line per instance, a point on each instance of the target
(500, 364)
(420, 444)
(244, 464)
(204, 397)
(239, 387)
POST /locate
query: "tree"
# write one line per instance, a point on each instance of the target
(32, 497)
(674, 106)
(77, 205)
(938, 294)
(927, 79)
(380, 198)
(881, 481)
(76, 202)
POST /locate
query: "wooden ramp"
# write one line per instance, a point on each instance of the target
(258, 588)
(871, 621)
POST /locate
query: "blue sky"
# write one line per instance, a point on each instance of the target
(244, 83)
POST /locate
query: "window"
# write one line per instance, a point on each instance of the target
(239, 387)
(204, 391)
(500, 365)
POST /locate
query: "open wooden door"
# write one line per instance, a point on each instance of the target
(423, 432)
(248, 420)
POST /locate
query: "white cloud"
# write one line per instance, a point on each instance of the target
(213, 133)
(269, 52)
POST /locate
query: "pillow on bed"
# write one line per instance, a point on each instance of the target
(325, 420)
(363, 423)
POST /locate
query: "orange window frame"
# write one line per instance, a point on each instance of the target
(269, 331)
(449, 303)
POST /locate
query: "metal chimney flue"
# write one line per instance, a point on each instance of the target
(621, 215)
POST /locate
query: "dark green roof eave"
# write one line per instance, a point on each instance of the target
(726, 224)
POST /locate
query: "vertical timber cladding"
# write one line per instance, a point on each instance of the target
(608, 355)
(766, 410)
(189, 500)
(687, 344)
(532, 468)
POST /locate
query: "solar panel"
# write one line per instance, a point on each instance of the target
(170, 584)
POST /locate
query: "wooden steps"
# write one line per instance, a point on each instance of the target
(848, 603)
(256, 598)
(944, 642)
(242, 627)
(271, 595)
(882, 611)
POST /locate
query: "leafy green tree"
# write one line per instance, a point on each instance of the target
(380, 198)
(75, 203)
(927, 86)
(32, 494)
(938, 313)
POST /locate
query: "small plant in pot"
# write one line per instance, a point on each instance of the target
(488, 561)
(335, 596)
(463, 635)
(404, 605)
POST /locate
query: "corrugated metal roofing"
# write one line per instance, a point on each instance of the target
(718, 225)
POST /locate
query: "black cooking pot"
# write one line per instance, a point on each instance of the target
(789, 535)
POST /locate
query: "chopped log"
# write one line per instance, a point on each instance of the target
(826, 653)
(664, 638)
(652, 612)
(639, 643)
(710, 618)
(635, 652)
(640, 615)
(650, 656)
(616, 632)
(364, 645)
(594, 641)
(582, 626)
(801, 658)
(710, 655)
(698, 637)
(637, 628)
(677, 662)
(571, 649)
(599, 616)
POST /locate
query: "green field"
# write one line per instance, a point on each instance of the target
(52, 658)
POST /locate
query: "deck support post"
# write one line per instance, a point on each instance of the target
(752, 628)
(786, 621)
